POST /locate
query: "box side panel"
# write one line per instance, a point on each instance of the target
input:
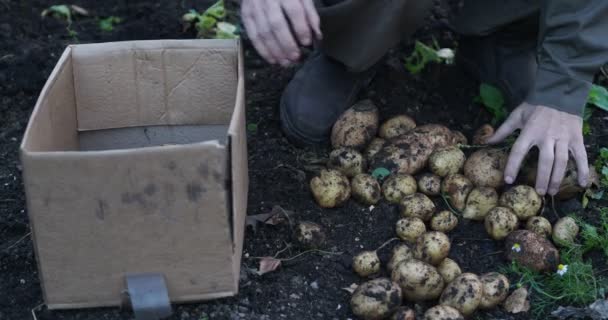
(134, 84)
(100, 215)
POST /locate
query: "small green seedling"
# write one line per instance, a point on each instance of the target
(107, 24)
(211, 23)
(65, 13)
(598, 97)
(424, 54)
(493, 100)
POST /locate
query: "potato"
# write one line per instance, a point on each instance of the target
(437, 135)
(459, 138)
(397, 186)
(569, 187)
(565, 231)
(531, 250)
(446, 161)
(396, 126)
(417, 205)
(499, 222)
(485, 168)
(432, 247)
(464, 294)
(373, 148)
(449, 270)
(348, 161)
(309, 235)
(540, 226)
(444, 221)
(404, 313)
(429, 184)
(518, 301)
(330, 188)
(442, 313)
(410, 228)
(419, 281)
(401, 252)
(523, 200)
(365, 189)
(376, 299)
(482, 134)
(366, 263)
(457, 187)
(480, 201)
(356, 126)
(495, 289)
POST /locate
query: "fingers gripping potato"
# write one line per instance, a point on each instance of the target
(397, 186)
(410, 228)
(485, 168)
(500, 221)
(376, 299)
(449, 270)
(348, 161)
(365, 189)
(330, 188)
(457, 187)
(400, 253)
(418, 280)
(396, 126)
(480, 201)
(356, 127)
(417, 205)
(432, 247)
(444, 221)
(446, 161)
(523, 200)
(540, 226)
(464, 293)
(429, 184)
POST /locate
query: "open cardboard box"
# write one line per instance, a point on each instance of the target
(135, 161)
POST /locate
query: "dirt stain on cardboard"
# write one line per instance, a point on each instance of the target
(101, 209)
(195, 191)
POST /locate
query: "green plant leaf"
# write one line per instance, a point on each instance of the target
(598, 96)
(493, 100)
(107, 24)
(421, 56)
(252, 127)
(61, 11)
(217, 10)
(380, 173)
(225, 30)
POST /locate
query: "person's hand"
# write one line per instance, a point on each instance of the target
(556, 134)
(269, 24)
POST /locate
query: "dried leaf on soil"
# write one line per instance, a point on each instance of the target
(268, 264)
(276, 216)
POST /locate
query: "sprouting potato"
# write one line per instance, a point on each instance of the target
(417, 205)
(410, 228)
(401, 252)
(365, 189)
(500, 221)
(356, 126)
(376, 299)
(495, 289)
(482, 134)
(373, 148)
(565, 231)
(523, 200)
(429, 184)
(442, 313)
(464, 294)
(330, 188)
(432, 247)
(485, 168)
(457, 187)
(540, 226)
(480, 201)
(366, 263)
(348, 161)
(460, 138)
(446, 161)
(449, 270)
(397, 186)
(419, 281)
(404, 313)
(309, 235)
(444, 221)
(396, 126)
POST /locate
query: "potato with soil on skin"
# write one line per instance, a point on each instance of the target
(330, 188)
(365, 189)
(444, 221)
(449, 270)
(443, 313)
(479, 202)
(446, 161)
(417, 205)
(366, 263)
(309, 235)
(396, 126)
(495, 289)
(419, 281)
(531, 250)
(565, 231)
(397, 186)
(485, 168)
(569, 188)
(464, 294)
(540, 226)
(499, 222)
(348, 161)
(457, 187)
(410, 228)
(482, 134)
(356, 126)
(523, 200)
(373, 148)
(376, 299)
(404, 313)
(401, 252)
(432, 247)
(429, 184)
(459, 138)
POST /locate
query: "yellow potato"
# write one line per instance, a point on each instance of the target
(540, 226)
(401, 252)
(410, 228)
(432, 247)
(356, 126)
(446, 161)
(442, 313)
(429, 184)
(500, 221)
(565, 231)
(444, 221)
(330, 188)
(397, 186)
(457, 187)
(480, 201)
(523, 200)
(373, 148)
(366, 263)
(419, 281)
(396, 126)
(376, 299)
(449, 270)
(464, 294)
(365, 189)
(485, 168)
(348, 161)
(417, 205)
(495, 289)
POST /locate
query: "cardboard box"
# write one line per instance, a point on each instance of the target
(135, 161)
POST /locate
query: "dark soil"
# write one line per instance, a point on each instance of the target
(309, 287)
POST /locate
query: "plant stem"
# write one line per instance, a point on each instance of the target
(386, 243)
(301, 254)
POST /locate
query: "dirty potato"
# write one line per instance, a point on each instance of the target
(446, 161)
(366, 263)
(449, 270)
(396, 126)
(444, 221)
(376, 299)
(569, 188)
(523, 200)
(443, 313)
(417, 205)
(401, 252)
(309, 235)
(410, 228)
(464, 294)
(459, 138)
(397, 186)
(480, 201)
(432, 247)
(348, 161)
(565, 231)
(404, 313)
(365, 189)
(457, 187)
(419, 281)
(356, 126)
(531, 250)
(482, 134)
(373, 148)
(330, 188)
(540, 226)
(500, 221)
(429, 184)
(495, 289)
(485, 168)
